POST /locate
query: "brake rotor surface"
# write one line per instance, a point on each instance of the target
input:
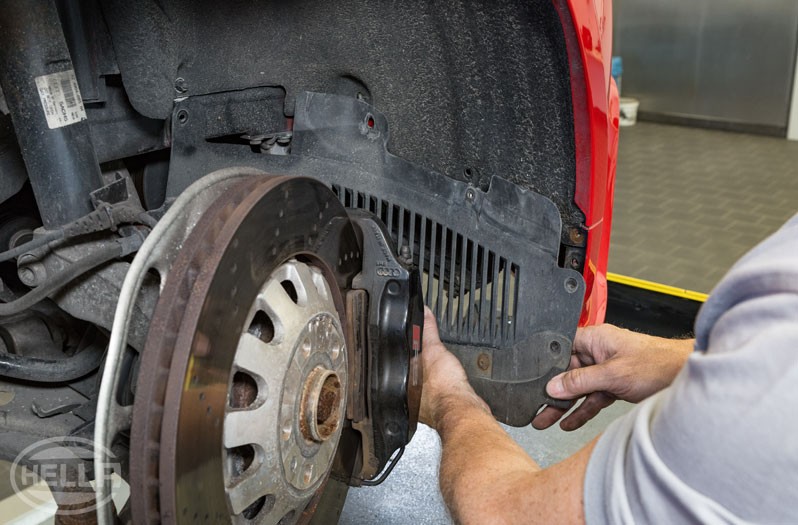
(242, 385)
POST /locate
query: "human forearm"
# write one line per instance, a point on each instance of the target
(478, 458)
(674, 354)
(487, 478)
(479, 464)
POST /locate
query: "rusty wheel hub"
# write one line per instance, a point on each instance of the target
(320, 414)
(293, 356)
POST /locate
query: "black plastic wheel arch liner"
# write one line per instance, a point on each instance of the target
(472, 88)
(489, 259)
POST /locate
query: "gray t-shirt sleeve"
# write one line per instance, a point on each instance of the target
(720, 445)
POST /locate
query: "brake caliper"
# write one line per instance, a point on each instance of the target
(387, 315)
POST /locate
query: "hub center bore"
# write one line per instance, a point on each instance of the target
(320, 411)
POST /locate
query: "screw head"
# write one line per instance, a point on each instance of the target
(571, 285)
(32, 274)
(27, 276)
(470, 195)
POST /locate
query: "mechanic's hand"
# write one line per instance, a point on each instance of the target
(446, 385)
(609, 363)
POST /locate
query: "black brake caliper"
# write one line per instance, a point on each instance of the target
(391, 329)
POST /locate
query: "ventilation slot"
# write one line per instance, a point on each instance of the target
(472, 290)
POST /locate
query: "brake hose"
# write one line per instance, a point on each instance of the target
(48, 237)
(57, 370)
(107, 217)
(119, 248)
(392, 463)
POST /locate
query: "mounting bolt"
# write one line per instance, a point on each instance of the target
(404, 254)
(571, 285)
(32, 274)
(470, 195)
(180, 85)
(576, 235)
(27, 276)
(483, 362)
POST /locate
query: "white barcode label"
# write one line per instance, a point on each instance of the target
(60, 98)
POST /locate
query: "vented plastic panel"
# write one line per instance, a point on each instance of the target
(471, 289)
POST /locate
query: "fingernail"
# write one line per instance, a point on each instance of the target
(555, 387)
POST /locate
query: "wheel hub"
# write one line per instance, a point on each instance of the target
(320, 413)
(293, 350)
(247, 359)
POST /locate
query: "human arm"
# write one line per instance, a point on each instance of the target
(485, 476)
(609, 363)
(718, 445)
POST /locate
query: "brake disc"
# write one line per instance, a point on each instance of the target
(242, 385)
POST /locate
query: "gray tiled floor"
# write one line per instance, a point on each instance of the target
(410, 495)
(690, 202)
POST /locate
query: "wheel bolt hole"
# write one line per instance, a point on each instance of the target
(307, 476)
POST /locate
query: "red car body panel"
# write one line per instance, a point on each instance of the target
(587, 25)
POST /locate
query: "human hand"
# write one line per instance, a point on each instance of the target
(609, 363)
(446, 385)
